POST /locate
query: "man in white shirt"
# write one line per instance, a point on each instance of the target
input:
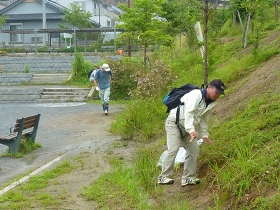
(192, 125)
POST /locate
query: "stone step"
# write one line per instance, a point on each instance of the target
(60, 94)
(67, 93)
(49, 78)
(66, 97)
(51, 75)
(66, 89)
(51, 100)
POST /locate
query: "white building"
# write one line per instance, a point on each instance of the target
(103, 14)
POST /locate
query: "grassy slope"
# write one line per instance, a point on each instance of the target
(241, 171)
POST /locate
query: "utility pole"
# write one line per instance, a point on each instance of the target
(128, 46)
(44, 21)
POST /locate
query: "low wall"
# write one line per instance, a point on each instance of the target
(20, 94)
(43, 63)
(14, 78)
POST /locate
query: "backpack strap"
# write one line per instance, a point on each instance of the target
(177, 119)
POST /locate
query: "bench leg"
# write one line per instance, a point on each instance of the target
(14, 144)
(32, 136)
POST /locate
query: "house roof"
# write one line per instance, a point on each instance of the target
(35, 16)
(51, 4)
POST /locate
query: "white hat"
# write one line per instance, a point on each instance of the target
(106, 67)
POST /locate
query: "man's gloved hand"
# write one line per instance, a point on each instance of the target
(97, 88)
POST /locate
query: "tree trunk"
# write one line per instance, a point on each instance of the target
(206, 13)
(240, 20)
(245, 34)
(234, 18)
(276, 11)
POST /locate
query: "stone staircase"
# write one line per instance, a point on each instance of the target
(49, 78)
(65, 94)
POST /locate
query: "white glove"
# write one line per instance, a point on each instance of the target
(97, 89)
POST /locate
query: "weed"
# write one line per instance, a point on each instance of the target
(26, 69)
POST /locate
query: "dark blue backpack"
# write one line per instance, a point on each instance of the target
(172, 99)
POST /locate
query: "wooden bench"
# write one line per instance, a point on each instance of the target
(107, 48)
(28, 48)
(27, 126)
(53, 49)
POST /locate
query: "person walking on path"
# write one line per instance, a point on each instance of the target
(91, 74)
(102, 82)
(192, 125)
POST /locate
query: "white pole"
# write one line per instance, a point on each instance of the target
(44, 21)
(199, 37)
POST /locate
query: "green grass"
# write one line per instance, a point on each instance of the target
(28, 195)
(127, 187)
(26, 146)
(245, 157)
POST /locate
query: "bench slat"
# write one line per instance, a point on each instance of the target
(28, 123)
(9, 137)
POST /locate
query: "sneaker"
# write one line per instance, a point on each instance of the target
(190, 181)
(106, 112)
(165, 180)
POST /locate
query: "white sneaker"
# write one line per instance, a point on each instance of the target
(106, 112)
(190, 181)
(165, 180)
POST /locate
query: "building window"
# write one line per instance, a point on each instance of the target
(16, 37)
(108, 23)
(38, 39)
(81, 4)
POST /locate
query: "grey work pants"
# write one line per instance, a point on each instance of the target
(104, 95)
(174, 141)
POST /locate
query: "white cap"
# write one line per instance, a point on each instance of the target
(106, 67)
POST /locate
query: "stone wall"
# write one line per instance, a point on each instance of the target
(20, 94)
(14, 78)
(43, 63)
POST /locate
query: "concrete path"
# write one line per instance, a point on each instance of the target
(64, 129)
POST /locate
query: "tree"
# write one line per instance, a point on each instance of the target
(77, 17)
(143, 24)
(2, 20)
(181, 21)
(258, 11)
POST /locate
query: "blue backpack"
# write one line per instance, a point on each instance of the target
(172, 99)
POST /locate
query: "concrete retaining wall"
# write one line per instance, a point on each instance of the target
(43, 63)
(20, 94)
(14, 78)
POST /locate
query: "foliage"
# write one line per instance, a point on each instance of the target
(2, 20)
(146, 110)
(122, 80)
(151, 84)
(241, 151)
(132, 190)
(80, 66)
(259, 13)
(141, 120)
(142, 23)
(76, 17)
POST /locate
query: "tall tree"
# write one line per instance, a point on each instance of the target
(2, 20)
(77, 17)
(143, 24)
(181, 17)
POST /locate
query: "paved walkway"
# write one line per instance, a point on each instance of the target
(64, 129)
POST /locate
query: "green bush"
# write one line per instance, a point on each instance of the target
(80, 67)
(122, 70)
